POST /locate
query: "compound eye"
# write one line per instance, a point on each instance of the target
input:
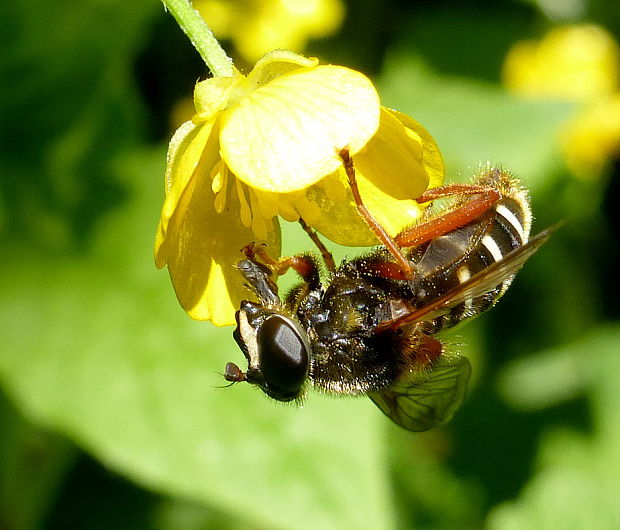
(283, 354)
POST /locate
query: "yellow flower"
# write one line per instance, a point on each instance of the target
(257, 26)
(266, 145)
(592, 137)
(575, 63)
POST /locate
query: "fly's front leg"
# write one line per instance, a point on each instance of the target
(258, 276)
(302, 264)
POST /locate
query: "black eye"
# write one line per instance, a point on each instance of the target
(283, 355)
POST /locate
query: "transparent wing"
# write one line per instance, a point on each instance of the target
(424, 399)
(477, 285)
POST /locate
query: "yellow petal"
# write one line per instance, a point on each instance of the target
(392, 160)
(284, 135)
(277, 63)
(203, 248)
(392, 213)
(186, 149)
(432, 161)
(339, 220)
(414, 164)
(400, 162)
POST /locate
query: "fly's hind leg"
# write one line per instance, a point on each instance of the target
(463, 214)
(484, 197)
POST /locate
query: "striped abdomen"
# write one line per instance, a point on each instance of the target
(454, 258)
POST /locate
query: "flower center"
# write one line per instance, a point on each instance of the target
(257, 208)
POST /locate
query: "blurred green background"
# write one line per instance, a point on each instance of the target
(111, 415)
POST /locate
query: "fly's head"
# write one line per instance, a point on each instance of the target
(274, 343)
(277, 350)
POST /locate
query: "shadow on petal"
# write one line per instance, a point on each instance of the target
(339, 220)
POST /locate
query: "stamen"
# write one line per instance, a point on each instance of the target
(333, 186)
(286, 210)
(219, 203)
(221, 194)
(217, 179)
(259, 228)
(246, 213)
(264, 202)
(308, 210)
(258, 221)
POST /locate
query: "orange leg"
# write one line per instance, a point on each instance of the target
(406, 267)
(302, 265)
(327, 255)
(449, 190)
(460, 216)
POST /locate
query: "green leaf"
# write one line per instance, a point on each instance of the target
(576, 485)
(33, 465)
(68, 107)
(98, 348)
(562, 498)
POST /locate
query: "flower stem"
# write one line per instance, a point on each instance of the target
(201, 36)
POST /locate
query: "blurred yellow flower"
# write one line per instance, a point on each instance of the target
(592, 136)
(264, 146)
(258, 26)
(574, 63)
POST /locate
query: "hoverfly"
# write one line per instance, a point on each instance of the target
(372, 327)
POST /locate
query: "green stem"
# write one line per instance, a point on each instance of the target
(201, 36)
